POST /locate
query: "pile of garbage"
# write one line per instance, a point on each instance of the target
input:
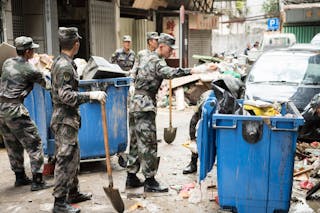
(307, 169)
(193, 86)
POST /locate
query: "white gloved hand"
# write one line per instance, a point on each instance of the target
(131, 89)
(47, 77)
(204, 68)
(98, 95)
(46, 72)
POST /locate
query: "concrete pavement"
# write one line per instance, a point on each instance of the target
(93, 177)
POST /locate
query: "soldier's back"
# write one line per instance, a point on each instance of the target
(16, 77)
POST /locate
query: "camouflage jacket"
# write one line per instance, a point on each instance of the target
(123, 59)
(148, 80)
(140, 61)
(66, 97)
(17, 79)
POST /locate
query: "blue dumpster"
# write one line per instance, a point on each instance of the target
(91, 141)
(255, 171)
(91, 132)
(36, 103)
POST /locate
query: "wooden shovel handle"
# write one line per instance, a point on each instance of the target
(106, 142)
(170, 103)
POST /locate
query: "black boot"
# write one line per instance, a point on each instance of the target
(22, 179)
(122, 160)
(133, 181)
(192, 166)
(38, 183)
(61, 206)
(151, 185)
(78, 197)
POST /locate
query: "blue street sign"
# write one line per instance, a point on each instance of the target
(273, 24)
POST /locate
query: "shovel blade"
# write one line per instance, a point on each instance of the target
(115, 198)
(169, 134)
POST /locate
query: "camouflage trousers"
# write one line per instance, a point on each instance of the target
(143, 144)
(67, 160)
(19, 134)
(193, 124)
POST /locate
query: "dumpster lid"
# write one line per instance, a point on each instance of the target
(98, 68)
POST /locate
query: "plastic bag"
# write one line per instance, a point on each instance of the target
(311, 129)
(227, 91)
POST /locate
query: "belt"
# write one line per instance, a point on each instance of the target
(11, 100)
(144, 92)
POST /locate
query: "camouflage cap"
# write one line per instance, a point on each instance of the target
(168, 40)
(126, 38)
(68, 33)
(24, 43)
(152, 35)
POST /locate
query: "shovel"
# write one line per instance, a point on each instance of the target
(169, 134)
(111, 192)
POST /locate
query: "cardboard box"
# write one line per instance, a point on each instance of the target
(6, 51)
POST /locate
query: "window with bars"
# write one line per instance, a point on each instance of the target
(17, 18)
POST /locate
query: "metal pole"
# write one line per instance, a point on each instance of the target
(180, 45)
(3, 17)
(48, 26)
(181, 35)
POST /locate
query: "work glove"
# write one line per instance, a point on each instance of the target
(131, 89)
(204, 68)
(47, 77)
(98, 95)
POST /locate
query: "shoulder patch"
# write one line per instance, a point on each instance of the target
(66, 76)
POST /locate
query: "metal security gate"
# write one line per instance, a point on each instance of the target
(141, 27)
(199, 43)
(138, 29)
(102, 28)
(17, 18)
(28, 19)
(304, 34)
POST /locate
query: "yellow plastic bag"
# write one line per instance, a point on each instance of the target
(262, 111)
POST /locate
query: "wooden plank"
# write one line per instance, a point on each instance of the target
(176, 82)
(302, 172)
(151, 4)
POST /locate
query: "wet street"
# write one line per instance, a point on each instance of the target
(174, 158)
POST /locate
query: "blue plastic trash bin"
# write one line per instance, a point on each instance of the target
(91, 132)
(91, 141)
(256, 175)
(35, 102)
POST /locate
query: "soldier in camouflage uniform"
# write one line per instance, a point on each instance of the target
(143, 149)
(65, 122)
(19, 131)
(152, 41)
(124, 57)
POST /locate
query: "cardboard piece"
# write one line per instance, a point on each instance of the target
(41, 61)
(6, 51)
(177, 82)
